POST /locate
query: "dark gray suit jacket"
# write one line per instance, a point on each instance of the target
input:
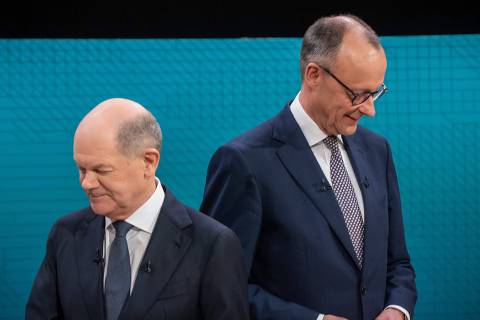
(196, 270)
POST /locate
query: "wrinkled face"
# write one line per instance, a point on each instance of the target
(114, 183)
(331, 106)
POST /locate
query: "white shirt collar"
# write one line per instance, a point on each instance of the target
(310, 129)
(145, 217)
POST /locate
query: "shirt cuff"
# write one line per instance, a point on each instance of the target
(403, 310)
(320, 317)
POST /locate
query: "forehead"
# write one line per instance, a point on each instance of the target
(360, 63)
(93, 148)
(365, 57)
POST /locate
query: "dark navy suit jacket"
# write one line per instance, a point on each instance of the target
(196, 270)
(268, 187)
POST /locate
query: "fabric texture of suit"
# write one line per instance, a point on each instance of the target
(196, 270)
(267, 186)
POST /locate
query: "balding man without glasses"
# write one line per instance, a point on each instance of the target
(136, 252)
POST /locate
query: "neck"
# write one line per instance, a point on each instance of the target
(149, 191)
(309, 108)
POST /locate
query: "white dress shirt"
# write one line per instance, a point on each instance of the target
(315, 136)
(143, 221)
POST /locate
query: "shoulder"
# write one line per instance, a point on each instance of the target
(207, 224)
(375, 146)
(251, 145)
(198, 224)
(70, 223)
(369, 139)
(267, 136)
(208, 230)
(259, 136)
(369, 135)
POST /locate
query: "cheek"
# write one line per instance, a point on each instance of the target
(335, 113)
(114, 185)
(130, 184)
(342, 110)
(119, 194)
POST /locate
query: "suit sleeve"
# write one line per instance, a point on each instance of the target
(43, 302)
(233, 198)
(224, 285)
(401, 289)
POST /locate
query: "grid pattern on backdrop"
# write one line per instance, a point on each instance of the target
(205, 92)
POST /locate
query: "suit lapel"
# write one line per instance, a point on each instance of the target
(300, 162)
(88, 247)
(169, 242)
(373, 228)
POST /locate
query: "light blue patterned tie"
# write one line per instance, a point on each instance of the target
(343, 189)
(117, 283)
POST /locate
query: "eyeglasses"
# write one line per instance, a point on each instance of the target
(359, 98)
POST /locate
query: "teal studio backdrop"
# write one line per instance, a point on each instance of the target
(205, 92)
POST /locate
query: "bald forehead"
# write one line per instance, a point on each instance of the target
(357, 49)
(110, 114)
(115, 111)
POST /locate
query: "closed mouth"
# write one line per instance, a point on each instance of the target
(97, 195)
(351, 117)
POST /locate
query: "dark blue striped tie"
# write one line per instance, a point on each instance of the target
(117, 283)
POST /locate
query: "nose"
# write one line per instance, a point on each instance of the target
(88, 180)
(368, 108)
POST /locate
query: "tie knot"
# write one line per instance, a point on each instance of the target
(331, 142)
(121, 228)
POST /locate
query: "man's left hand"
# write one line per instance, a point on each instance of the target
(390, 314)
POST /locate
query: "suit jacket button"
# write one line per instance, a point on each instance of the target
(363, 290)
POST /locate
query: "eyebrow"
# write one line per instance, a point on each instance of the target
(378, 88)
(102, 166)
(98, 166)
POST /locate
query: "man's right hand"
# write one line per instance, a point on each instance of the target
(332, 317)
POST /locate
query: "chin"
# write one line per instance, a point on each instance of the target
(100, 209)
(348, 131)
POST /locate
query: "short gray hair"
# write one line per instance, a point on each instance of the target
(135, 135)
(324, 37)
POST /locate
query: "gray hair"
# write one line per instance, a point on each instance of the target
(323, 38)
(135, 135)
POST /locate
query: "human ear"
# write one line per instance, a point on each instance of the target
(151, 158)
(312, 73)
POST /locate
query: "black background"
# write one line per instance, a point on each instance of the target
(173, 19)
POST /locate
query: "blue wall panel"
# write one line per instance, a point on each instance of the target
(205, 92)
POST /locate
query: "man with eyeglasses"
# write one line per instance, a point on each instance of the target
(314, 197)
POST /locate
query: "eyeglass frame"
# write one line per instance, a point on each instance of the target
(375, 95)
